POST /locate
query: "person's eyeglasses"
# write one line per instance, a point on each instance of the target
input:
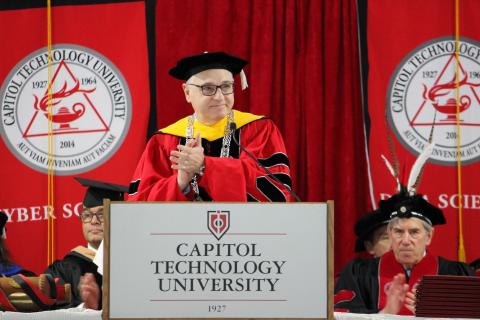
(87, 216)
(211, 89)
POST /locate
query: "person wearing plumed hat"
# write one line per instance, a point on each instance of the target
(372, 235)
(78, 267)
(387, 284)
(196, 158)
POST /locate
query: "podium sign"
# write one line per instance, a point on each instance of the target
(217, 260)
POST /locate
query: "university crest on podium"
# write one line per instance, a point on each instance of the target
(218, 222)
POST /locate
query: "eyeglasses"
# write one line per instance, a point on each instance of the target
(211, 89)
(87, 216)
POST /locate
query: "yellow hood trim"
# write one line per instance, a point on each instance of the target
(212, 132)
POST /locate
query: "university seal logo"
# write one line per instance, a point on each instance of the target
(422, 91)
(88, 112)
(218, 222)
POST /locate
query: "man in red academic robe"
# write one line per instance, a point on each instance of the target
(387, 284)
(197, 158)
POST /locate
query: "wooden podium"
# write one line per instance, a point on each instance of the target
(174, 260)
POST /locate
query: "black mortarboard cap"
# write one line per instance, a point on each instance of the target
(367, 224)
(191, 65)
(98, 190)
(3, 221)
(404, 205)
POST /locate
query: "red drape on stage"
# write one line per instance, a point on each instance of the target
(303, 73)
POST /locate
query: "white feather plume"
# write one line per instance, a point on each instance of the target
(392, 171)
(417, 167)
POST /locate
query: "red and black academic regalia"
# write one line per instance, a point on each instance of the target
(237, 178)
(361, 286)
(74, 265)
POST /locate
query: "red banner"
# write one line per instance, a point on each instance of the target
(99, 106)
(412, 65)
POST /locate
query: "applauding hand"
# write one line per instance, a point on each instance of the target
(89, 291)
(396, 294)
(188, 160)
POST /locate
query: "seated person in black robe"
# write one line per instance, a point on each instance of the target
(476, 266)
(8, 268)
(387, 284)
(372, 235)
(77, 267)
